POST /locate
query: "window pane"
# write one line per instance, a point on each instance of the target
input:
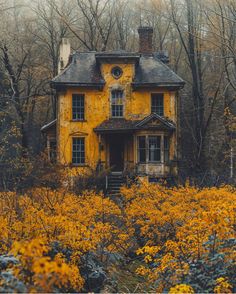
(154, 145)
(142, 149)
(117, 103)
(157, 104)
(142, 142)
(78, 151)
(78, 106)
(142, 155)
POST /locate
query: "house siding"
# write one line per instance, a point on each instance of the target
(137, 105)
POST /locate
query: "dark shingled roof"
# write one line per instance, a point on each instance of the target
(84, 71)
(119, 55)
(116, 124)
(48, 126)
(152, 72)
(124, 125)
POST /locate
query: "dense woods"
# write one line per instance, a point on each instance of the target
(56, 237)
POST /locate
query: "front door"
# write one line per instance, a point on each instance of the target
(117, 153)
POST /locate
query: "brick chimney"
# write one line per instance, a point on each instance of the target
(145, 39)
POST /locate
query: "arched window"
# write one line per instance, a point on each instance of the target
(117, 103)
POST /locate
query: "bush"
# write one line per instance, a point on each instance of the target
(185, 235)
(180, 239)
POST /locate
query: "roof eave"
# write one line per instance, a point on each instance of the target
(115, 130)
(60, 85)
(129, 130)
(48, 126)
(170, 86)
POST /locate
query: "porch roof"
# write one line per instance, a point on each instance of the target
(116, 125)
(151, 122)
(48, 126)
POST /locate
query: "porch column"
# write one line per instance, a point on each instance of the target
(135, 149)
(162, 154)
(99, 148)
(48, 147)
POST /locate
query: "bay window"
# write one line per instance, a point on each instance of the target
(153, 149)
(142, 149)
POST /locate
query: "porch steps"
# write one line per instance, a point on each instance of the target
(114, 183)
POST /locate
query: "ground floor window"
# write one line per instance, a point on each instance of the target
(142, 149)
(153, 148)
(78, 150)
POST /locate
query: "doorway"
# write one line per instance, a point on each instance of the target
(116, 149)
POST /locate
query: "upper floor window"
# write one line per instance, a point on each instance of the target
(78, 106)
(78, 150)
(117, 103)
(157, 103)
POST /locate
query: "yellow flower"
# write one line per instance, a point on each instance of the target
(181, 288)
(223, 286)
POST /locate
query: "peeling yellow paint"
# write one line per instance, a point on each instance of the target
(137, 105)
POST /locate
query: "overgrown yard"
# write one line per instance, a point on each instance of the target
(162, 239)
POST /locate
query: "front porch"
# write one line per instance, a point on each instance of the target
(144, 148)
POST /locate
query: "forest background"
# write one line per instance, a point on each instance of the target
(58, 238)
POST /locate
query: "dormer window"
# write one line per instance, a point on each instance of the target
(157, 103)
(117, 103)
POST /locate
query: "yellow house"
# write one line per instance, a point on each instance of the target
(118, 110)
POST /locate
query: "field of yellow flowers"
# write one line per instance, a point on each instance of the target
(182, 239)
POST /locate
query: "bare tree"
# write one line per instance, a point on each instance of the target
(193, 37)
(92, 24)
(24, 73)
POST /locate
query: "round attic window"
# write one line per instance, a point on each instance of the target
(116, 72)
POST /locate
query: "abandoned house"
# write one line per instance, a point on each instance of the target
(117, 110)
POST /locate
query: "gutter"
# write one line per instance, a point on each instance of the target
(97, 86)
